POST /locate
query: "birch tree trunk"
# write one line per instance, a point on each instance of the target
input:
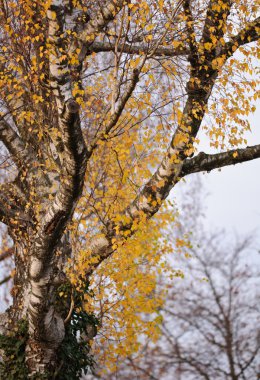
(37, 300)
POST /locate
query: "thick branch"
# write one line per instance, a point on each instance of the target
(199, 89)
(249, 34)
(208, 162)
(160, 51)
(190, 29)
(216, 18)
(101, 19)
(167, 175)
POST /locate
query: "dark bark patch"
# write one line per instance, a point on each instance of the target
(54, 223)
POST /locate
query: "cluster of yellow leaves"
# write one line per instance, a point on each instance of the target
(24, 57)
(237, 92)
(125, 293)
(126, 298)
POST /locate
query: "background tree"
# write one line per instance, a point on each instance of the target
(101, 106)
(210, 317)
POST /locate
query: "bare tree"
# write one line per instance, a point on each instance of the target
(210, 321)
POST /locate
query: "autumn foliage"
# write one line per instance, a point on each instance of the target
(102, 107)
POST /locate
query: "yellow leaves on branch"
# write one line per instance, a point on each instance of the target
(125, 292)
(229, 113)
(126, 297)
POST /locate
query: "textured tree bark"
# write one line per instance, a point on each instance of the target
(21, 287)
(36, 300)
(46, 326)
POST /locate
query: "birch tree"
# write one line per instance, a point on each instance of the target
(101, 106)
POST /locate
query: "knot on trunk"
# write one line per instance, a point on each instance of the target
(49, 329)
(72, 106)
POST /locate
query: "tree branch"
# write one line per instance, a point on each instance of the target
(189, 20)
(5, 279)
(160, 51)
(7, 253)
(249, 34)
(216, 19)
(199, 89)
(119, 107)
(12, 210)
(14, 144)
(100, 20)
(208, 162)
